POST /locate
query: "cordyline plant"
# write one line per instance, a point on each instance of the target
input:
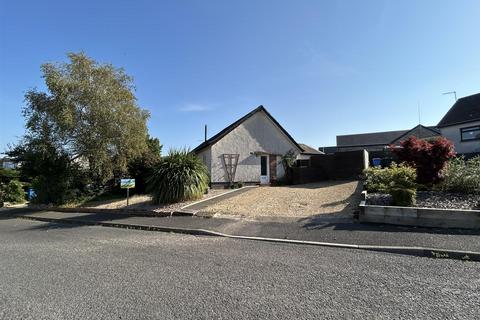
(428, 157)
(180, 176)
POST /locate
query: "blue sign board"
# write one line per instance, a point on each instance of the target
(377, 162)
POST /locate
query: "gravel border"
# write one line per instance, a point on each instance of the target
(432, 199)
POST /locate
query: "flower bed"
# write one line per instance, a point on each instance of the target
(432, 199)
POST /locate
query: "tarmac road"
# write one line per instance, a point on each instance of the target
(65, 271)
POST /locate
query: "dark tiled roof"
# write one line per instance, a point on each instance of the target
(329, 149)
(368, 139)
(386, 137)
(466, 109)
(309, 150)
(419, 131)
(228, 129)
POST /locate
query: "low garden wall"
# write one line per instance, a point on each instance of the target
(421, 217)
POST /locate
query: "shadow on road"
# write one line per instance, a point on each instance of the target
(69, 221)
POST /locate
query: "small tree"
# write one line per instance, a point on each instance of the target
(7, 175)
(428, 157)
(288, 161)
(14, 192)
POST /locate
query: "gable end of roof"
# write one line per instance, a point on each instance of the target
(465, 109)
(232, 126)
(433, 130)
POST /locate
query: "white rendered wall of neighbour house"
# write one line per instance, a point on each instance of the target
(206, 156)
(256, 134)
(452, 133)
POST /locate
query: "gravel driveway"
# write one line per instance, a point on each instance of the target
(329, 197)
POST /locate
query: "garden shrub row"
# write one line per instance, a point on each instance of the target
(397, 180)
(400, 181)
(460, 175)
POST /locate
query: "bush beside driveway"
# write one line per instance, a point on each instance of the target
(328, 197)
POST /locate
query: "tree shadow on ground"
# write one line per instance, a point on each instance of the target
(346, 214)
(120, 203)
(46, 226)
(318, 185)
(67, 222)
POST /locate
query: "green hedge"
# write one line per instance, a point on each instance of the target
(461, 175)
(13, 192)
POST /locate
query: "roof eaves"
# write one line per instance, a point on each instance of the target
(235, 124)
(457, 123)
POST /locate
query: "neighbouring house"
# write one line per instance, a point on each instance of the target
(7, 163)
(250, 150)
(304, 158)
(461, 124)
(376, 142)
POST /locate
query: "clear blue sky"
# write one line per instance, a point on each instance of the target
(321, 68)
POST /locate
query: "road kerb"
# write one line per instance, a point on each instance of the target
(412, 251)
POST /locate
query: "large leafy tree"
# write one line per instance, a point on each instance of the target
(87, 120)
(141, 167)
(89, 114)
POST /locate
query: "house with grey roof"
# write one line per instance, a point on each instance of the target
(379, 141)
(461, 124)
(7, 163)
(250, 150)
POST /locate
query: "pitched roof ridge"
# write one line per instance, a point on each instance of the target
(235, 124)
(309, 150)
(374, 132)
(417, 126)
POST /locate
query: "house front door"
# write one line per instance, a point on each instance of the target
(264, 176)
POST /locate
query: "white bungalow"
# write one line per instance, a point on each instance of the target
(250, 150)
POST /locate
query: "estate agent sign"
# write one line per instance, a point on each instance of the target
(127, 184)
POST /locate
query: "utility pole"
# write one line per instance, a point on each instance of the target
(452, 92)
(205, 133)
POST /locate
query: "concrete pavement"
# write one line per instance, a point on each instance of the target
(320, 229)
(67, 271)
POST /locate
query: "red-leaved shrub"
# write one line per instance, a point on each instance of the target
(428, 157)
